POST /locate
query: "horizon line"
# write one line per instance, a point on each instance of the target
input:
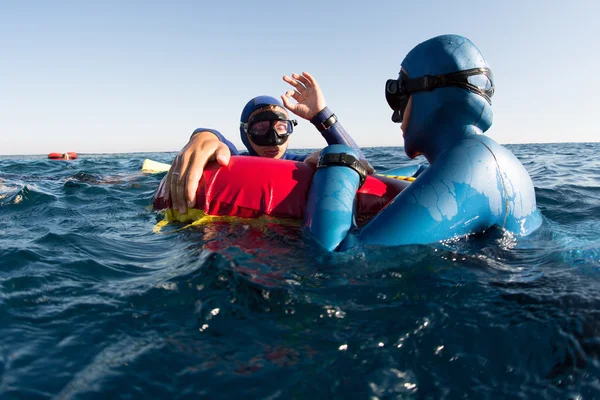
(294, 148)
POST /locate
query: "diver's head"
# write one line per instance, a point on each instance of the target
(449, 87)
(265, 127)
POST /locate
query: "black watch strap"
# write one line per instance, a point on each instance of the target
(323, 126)
(343, 159)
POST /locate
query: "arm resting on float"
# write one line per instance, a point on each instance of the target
(330, 207)
(232, 148)
(453, 197)
(333, 131)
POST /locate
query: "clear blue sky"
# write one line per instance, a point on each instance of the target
(124, 76)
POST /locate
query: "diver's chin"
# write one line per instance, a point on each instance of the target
(410, 152)
(410, 155)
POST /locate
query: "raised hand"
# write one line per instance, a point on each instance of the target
(307, 93)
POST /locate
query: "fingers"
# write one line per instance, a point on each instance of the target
(304, 88)
(179, 191)
(186, 170)
(368, 167)
(304, 79)
(310, 79)
(213, 150)
(223, 154)
(309, 98)
(294, 94)
(313, 158)
(176, 184)
(294, 82)
(193, 175)
(286, 101)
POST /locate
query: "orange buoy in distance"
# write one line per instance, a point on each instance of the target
(63, 156)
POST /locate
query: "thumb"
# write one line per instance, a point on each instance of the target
(368, 166)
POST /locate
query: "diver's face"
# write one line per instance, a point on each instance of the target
(406, 116)
(408, 141)
(269, 151)
(275, 151)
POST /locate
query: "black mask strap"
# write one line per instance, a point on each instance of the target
(455, 79)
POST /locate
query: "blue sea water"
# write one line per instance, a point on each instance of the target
(95, 304)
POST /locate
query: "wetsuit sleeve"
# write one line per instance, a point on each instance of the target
(333, 131)
(234, 151)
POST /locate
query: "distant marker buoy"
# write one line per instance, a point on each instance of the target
(63, 156)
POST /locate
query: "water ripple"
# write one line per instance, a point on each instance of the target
(94, 304)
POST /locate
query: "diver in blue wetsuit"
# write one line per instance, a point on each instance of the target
(443, 99)
(264, 129)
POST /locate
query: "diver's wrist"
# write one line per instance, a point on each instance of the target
(324, 119)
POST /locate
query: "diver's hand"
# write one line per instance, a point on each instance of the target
(368, 167)
(307, 93)
(186, 170)
(313, 158)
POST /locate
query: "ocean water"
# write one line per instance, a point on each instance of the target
(95, 304)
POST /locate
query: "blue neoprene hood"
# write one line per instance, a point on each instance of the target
(251, 106)
(444, 110)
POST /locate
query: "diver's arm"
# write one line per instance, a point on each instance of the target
(311, 106)
(449, 199)
(187, 168)
(332, 130)
(234, 151)
(330, 206)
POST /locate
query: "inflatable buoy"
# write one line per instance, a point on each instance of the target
(63, 156)
(250, 187)
(154, 167)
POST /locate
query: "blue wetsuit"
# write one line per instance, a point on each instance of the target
(472, 184)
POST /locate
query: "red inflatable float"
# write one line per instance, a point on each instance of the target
(63, 156)
(253, 186)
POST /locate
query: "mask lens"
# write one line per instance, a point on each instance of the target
(282, 127)
(397, 101)
(396, 98)
(391, 93)
(260, 128)
(399, 109)
(483, 82)
(270, 128)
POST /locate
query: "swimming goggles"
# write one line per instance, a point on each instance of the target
(397, 91)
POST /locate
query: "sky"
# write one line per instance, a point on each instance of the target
(139, 76)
